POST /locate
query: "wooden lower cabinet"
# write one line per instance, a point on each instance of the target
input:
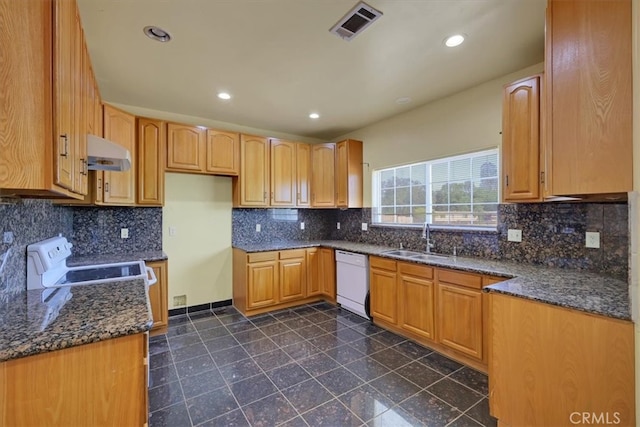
(383, 288)
(158, 297)
(98, 384)
(460, 319)
(266, 281)
(550, 366)
(416, 299)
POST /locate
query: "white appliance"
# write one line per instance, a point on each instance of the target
(47, 268)
(352, 273)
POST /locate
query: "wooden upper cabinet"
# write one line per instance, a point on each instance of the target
(251, 187)
(323, 178)
(589, 96)
(521, 140)
(303, 174)
(349, 174)
(152, 139)
(223, 152)
(185, 148)
(283, 173)
(119, 188)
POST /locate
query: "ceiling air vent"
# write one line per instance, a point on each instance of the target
(354, 22)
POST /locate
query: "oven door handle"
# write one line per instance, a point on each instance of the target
(154, 279)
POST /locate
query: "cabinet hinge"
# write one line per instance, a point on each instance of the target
(542, 177)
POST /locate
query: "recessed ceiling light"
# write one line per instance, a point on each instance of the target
(224, 95)
(157, 33)
(314, 116)
(403, 100)
(455, 40)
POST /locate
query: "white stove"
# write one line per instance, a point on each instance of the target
(47, 268)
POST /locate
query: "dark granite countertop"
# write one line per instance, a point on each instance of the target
(146, 256)
(93, 313)
(575, 289)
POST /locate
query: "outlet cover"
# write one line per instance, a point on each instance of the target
(365, 226)
(258, 228)
(124, 233)
(172, 231)
(514, 235)
(592, 239)
(7, 237)
(302, 226)
(337, 226)
(180, 300)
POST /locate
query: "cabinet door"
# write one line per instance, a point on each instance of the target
(152, 135)
(262, 289)
(521, 140)
(120, 127)
(292, 279)
(588, 73)
(81, 170)
(63, 57)
(328, 273)
(158, 295)
(283, 173)
(303, 174)
(254, 171)
(323, 176)
(349, 174)
(223, 152)
(313, 272)
(416, 303)
(460, 319)
(384, 296)
(185, 148)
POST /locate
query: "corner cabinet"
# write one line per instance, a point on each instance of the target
(119, 188)
(589, 96)
(521, 166)
(107, 380)
(44, 65)
(158, 297)
(349, 174)
(151, 146)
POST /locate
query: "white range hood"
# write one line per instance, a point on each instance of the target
(106, 155)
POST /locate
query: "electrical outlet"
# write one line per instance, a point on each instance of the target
(258, 228)
(514, 235)
(124, 233)
(365, 226)
(172, 231)
(337, 226)
(592, 239)
(7, 237)
(302, 226)
(180, 301)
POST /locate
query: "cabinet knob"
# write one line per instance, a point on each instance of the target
(99, 183)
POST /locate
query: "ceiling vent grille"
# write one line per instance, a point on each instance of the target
(355, 21)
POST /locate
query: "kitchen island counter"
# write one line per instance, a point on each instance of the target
(93, 313)
(574, 289)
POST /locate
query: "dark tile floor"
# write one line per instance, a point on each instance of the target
(314, 365)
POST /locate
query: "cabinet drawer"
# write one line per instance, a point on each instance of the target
(490, 280)
(382, 263)
(292, 253)
(469, 280)
(262, 256)
(422, 271)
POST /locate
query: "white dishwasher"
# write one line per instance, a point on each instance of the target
(352, 273)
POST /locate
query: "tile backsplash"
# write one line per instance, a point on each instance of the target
(552, 234)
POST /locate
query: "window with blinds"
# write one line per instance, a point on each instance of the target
(454, 191)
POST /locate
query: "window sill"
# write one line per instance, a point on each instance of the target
(448, 228)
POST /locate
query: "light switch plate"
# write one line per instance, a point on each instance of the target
(337, 226)
(258, 228)
(124, 233)
(514, 235)
(592, 239)
(365, 226)
(172, 231)
(302, 226)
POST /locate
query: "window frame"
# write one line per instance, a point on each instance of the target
(376, 194)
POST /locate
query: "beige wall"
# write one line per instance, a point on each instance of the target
(467, 121)
(199, 208)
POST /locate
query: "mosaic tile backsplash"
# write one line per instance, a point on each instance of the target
(30, 221)
(552, 234)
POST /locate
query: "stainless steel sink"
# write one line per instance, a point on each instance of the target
(430, 257)
(402, 253)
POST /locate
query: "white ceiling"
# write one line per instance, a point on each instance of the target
(280, 62)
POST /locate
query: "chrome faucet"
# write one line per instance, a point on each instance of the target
(426, 234)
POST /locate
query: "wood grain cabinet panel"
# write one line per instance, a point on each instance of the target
(152, 140)
(323, 177)
(158, 294)
(98, 384)
(349, 174)
(313, 272)
(548, 362)
(303, 175)
(384, 292)
(223, 152)
(262, 284)
(185, 148)
(459, 323)
(251, 188)
(283, 173)
(328, 273)
(416, 300)
(521, 140)
(119, 188)
(293, 276)
(589, 96)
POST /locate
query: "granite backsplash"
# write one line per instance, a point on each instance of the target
(92, 230)
(552, 234)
